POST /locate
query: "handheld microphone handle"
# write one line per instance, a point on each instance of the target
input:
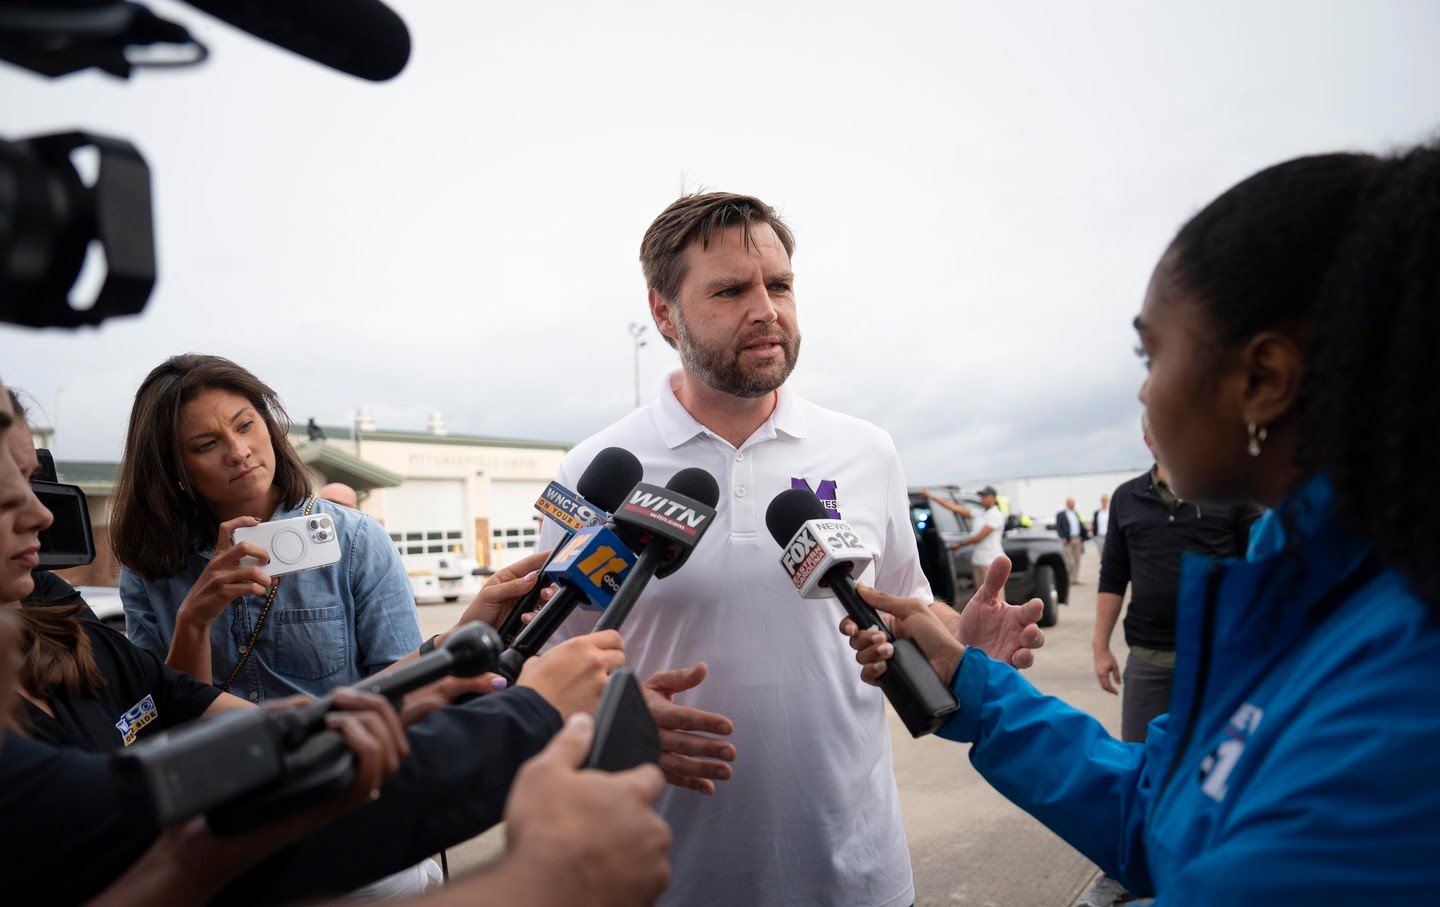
(510, 627)
(920, 698)
(536, 633)
(650, 560)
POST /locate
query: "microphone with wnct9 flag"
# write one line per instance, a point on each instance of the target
(822, 557)
(603, 486)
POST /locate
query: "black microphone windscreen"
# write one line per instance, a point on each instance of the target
(364, 38)
(790, 510)
(696, 484)
(609, 477)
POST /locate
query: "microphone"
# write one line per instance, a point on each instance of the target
(819, 555)
(247, 767)
(612, 473)
(591, 567)
(364, 38)
(665, 524)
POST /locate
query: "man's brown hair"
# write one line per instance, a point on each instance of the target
(156, 521)
(700, 216)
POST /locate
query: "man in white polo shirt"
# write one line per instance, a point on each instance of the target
(811, 814)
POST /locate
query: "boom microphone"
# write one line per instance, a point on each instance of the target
(665, 524)
(364, 38)
(602, 486)
(251, 766)
(819, 555)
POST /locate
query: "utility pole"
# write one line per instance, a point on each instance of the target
(636, 330)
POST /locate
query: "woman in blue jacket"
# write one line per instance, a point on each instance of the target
(1285, 332)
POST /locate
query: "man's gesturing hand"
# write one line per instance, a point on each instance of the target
(1006, 633)
(595, 833)
(688, 757)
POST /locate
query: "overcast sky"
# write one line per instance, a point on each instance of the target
(978, 190)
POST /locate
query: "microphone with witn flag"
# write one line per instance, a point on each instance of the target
(664, 525)
(822, 556)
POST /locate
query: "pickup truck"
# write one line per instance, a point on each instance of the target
(1038, 564)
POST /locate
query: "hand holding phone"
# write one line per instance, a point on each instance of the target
(299, 543)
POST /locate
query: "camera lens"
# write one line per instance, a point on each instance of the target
(314, 524)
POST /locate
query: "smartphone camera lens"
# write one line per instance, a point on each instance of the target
(314, 524)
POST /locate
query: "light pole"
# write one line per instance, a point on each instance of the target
(636, 330)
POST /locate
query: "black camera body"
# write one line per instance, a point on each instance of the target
(70, 540)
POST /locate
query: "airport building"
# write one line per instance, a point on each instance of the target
(467, 497)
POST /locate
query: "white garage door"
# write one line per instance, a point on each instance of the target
(426, 517)
(513, 528)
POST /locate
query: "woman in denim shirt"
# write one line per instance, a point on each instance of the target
(207, 452)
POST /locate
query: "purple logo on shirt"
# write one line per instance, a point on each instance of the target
(826, 494)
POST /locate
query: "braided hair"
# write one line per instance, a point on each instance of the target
(1344, 250)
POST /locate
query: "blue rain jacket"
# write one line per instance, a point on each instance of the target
(1300, 760)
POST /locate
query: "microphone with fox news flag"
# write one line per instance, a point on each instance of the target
(819, 555)
(602, 485)
(590, 567)
(665, 524)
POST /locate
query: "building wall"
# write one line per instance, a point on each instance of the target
(480, 474)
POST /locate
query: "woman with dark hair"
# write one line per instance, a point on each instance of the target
(1286, 332)
(207, 452)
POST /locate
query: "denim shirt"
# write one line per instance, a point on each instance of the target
(328, 627)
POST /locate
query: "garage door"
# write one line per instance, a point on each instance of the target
(426, 517)
(513, 527)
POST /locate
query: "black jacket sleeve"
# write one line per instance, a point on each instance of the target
(451, 788)
(68, 827)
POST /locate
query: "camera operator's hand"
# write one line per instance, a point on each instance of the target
(572, 675)
(555, 811)
(188, 864)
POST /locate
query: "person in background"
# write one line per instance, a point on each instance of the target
(1287, 334)
(987, 537)
(339, 493)
(1100, 525)
(1073, 535)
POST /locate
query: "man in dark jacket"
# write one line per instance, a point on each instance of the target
(1073, 535)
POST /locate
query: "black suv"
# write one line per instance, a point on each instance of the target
(1038, 563)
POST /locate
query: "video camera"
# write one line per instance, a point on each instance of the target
(55, 221)
(70, 541)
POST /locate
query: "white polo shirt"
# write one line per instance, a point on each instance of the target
(811, 814)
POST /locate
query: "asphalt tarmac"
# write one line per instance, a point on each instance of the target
(968, 844)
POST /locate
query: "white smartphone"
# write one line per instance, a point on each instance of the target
(299, 543)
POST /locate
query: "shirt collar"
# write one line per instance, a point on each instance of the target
(677, 426)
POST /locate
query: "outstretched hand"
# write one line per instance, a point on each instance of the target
(1005, 632)
(688, 759)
